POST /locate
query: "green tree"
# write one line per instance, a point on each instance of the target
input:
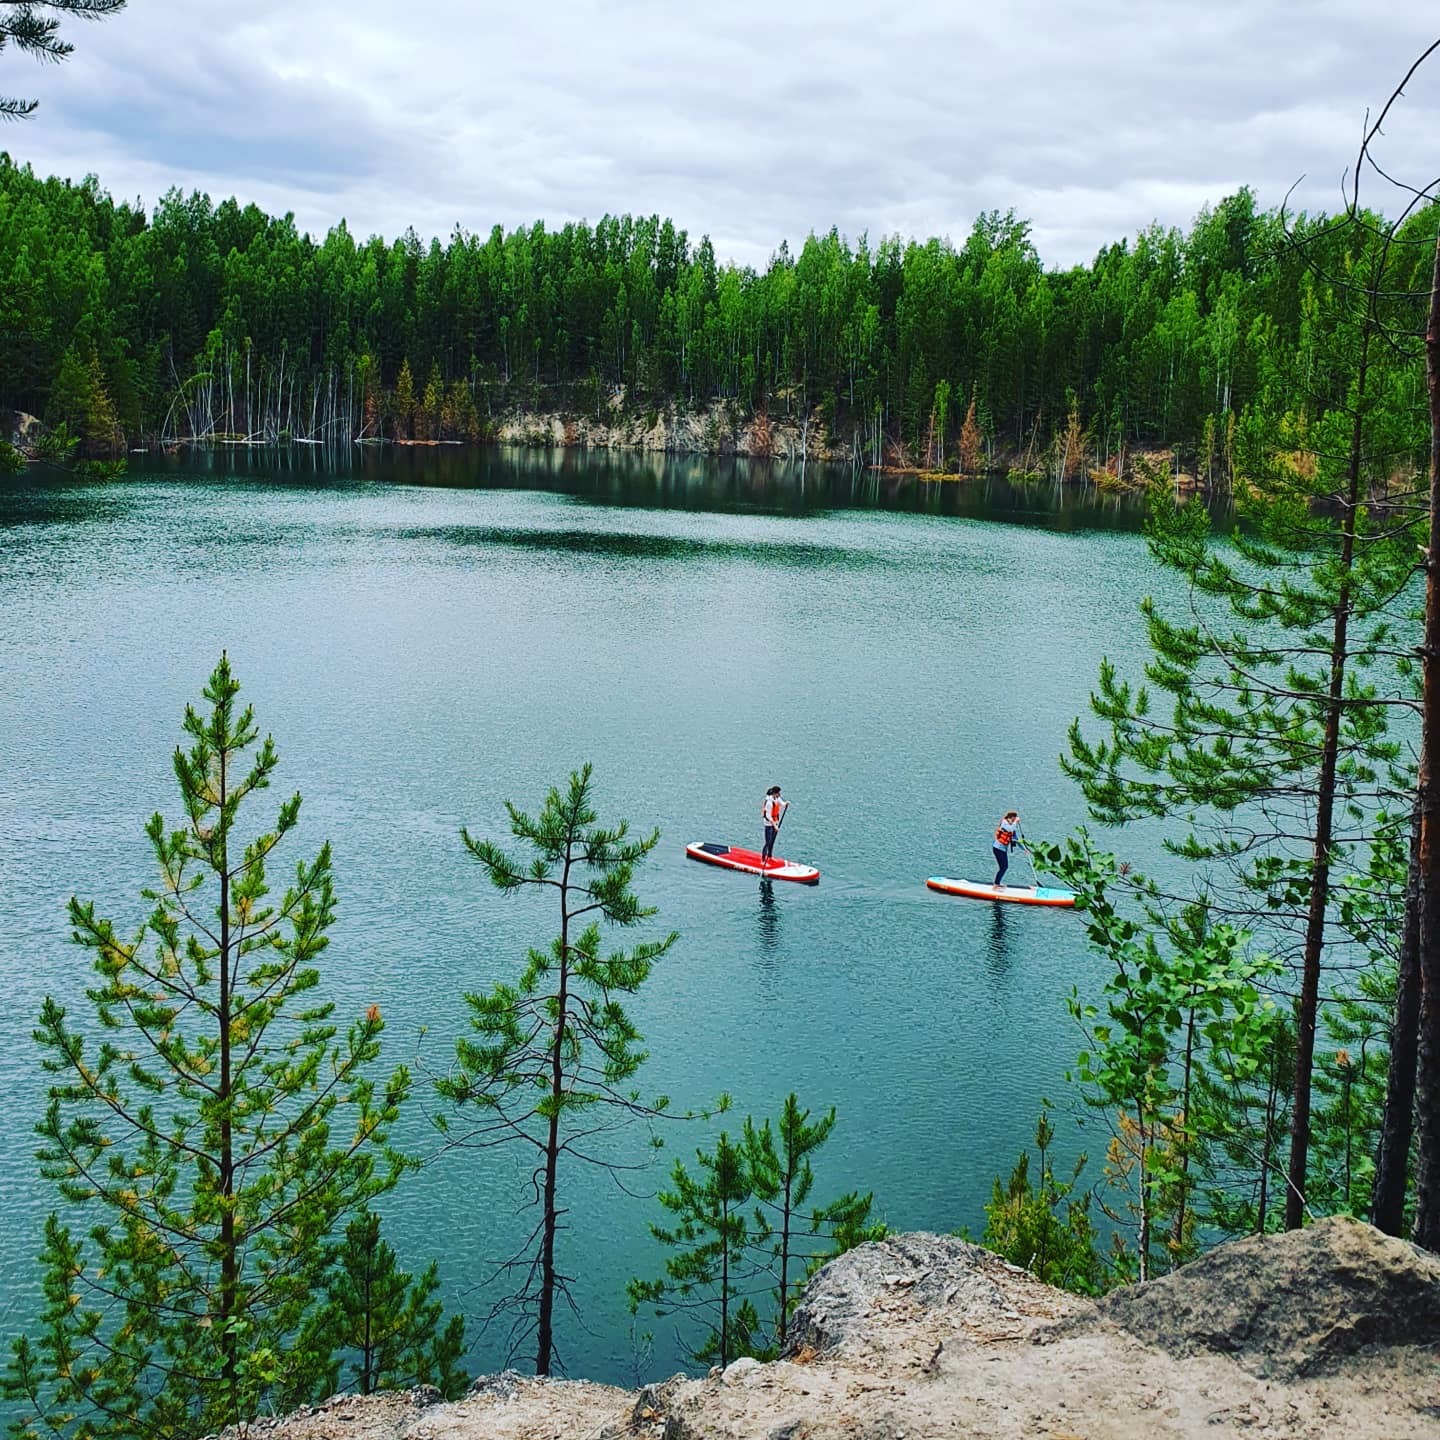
(429, 410)
(742, 1228)
(1427, 898)
(549, 1060)
(712, 1269)
(80, 404)
(27, 29)
(1042, 1226)
(213, 1137)
(972, 451)
(1241, 1106)
(781, 1179)
(1178, 981)
(403, 409)
(939, 419)
(1275, 732)
(383, 1326)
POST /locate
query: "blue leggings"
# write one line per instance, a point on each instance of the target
(770, 833)
(1002, 862)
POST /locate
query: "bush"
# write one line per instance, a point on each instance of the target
(1043, 1225)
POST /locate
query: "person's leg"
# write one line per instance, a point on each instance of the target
(769, 841)
(1002, 863)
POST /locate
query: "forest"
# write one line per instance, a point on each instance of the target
(205, 322)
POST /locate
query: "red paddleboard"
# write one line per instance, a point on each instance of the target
(732, 857)
(1014, 894)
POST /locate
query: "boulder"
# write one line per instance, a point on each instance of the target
(1290, 1305)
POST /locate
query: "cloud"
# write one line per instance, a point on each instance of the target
(750, 122)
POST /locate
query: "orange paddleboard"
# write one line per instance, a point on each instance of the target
(1012, 894)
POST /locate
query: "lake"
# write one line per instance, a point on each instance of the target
(429, 634)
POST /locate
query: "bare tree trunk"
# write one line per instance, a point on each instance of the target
(1308, 1014)
(544, 1340)
(1427, 1171)
(229, 1266)
(1397, 1127)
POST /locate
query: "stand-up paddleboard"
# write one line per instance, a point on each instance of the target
(1014, 894)
(732, 857)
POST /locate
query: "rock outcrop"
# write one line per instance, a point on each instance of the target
(1331, 1331)
(716, 430)
(1290, 1305)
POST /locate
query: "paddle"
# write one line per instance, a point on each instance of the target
(1034, 873)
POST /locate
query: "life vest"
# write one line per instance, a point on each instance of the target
(1005, 835)
(771, 809)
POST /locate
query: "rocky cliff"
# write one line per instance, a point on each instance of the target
(1327, 1332)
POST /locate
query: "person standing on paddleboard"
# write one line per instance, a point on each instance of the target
(1007, 837)
(772, 812)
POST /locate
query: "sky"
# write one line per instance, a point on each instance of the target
(750, 122)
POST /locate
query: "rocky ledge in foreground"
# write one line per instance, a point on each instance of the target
(1330, 1331)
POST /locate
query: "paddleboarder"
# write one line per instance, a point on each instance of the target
(1007, 837)
(772, 811)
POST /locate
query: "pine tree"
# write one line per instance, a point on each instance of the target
(211, 1143)
(939, 418)
(1041, 1227)
(382, 1325)
(102, 430)
(972, 452)
(712, 1270)
(430, 407)
(403, 408)
(550, 1059)
(1427, 1115)
(1275, 732)
(23, 26)
(781, 1178)
(80, 402)
(1180, 981)
(729, 1251)
(69, 402)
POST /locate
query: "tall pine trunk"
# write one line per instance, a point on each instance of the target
(1309, 1008)
(1427, 1174)
(782, 1326)
(545, 1331)
(1397, 1126)
(229, 1269)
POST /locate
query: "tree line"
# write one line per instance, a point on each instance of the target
(202, 320)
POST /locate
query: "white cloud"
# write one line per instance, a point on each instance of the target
(750, 122)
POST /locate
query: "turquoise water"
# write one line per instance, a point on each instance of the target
(904, 660)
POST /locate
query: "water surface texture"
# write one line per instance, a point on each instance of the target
(904, 660)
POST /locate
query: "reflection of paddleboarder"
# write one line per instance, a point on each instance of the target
(773, 813)
(1007, 837)
(769, 915)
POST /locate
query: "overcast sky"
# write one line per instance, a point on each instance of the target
(749, 121)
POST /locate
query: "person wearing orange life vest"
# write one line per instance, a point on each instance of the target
(772, 811)
(1007, 837)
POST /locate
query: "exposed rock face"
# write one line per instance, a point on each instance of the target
(1327, 1332)
(930, 1272)
(1290, 1305)
(717, 430)
(22, 431)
